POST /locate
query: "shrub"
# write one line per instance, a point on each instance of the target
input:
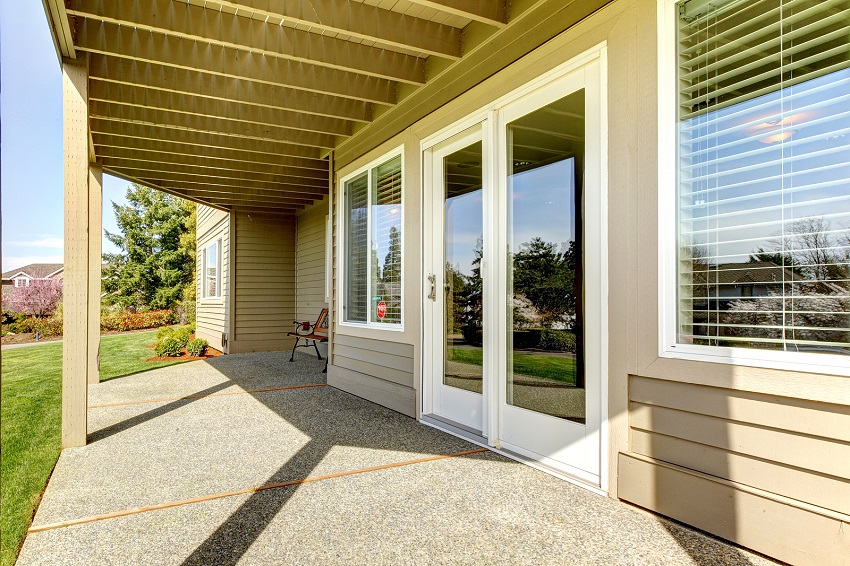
(168, 346)
(196, 347)
(47, 326)
(22, 324)
(560, 340)
(182, 336)
(528, 338)
(8, 316)
(136, 321)
(164, 331)
(473, 335)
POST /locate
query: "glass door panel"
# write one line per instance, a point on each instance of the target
(455, 220)
(545, 263)
(463, 244)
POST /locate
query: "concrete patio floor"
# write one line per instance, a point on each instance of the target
(478, 508)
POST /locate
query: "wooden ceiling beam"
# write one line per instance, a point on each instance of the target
(231, 200)
(129, 43)
(262, 171)
(201, 172)
(185, 148)
(259, 212)
(229, 89)
(140, 97)
(153, 185)
(490, 12)
(197, 23)
(201, 139)
(108, 111)
(222, 185)
(359, 20)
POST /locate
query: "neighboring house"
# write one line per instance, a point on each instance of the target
(344, 155)
(24, 276)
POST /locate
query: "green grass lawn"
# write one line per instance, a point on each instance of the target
(556, 368)
(30, 422)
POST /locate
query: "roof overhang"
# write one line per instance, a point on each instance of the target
(239, 104)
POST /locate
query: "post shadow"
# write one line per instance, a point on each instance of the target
(153, 413)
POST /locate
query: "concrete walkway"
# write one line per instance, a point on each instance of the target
(203, 435)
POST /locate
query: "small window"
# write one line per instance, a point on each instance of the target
(372, 232)
(211, 282)
(22, 282)
(763, 203)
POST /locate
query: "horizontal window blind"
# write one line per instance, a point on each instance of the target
(764, 174)
(386, 241)
(356, 249)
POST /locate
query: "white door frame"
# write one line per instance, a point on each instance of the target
(596, 260)
(434, 256)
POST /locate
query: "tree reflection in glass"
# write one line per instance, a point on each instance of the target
(545, 178)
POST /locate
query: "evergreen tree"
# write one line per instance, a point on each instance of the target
(156, 258)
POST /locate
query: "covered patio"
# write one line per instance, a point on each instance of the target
(174, 455)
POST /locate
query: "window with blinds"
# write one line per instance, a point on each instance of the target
(373, 244)
(764, 174)
(386, 242)
(356, 248)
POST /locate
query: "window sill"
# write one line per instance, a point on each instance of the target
(829, 364)
(373, 326)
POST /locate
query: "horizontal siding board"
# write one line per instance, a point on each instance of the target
(310, 262)
(385, 373)
(384, 393)
(383, 359)
(824, 491)
(211, 319)
(264, 302)
(788, 448)
(384, 346)
(797, 415)
(312, 274)
(748, 517)
(259, 344)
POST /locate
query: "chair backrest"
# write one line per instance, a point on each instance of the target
(321, 326)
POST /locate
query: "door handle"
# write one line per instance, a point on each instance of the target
(433, 280)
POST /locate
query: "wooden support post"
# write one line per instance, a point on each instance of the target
(75, 350)
(95, 263)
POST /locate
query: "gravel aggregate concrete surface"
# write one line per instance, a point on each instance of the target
(477, 509)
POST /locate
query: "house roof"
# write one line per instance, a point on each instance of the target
(764, 272)
(35, 270)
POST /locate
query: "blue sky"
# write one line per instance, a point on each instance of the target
(31, 150)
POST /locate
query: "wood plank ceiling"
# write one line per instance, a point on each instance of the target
(237, 104)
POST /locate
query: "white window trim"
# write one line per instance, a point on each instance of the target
(22, 282)
(667, 248)
(340, 248)
(204, 297)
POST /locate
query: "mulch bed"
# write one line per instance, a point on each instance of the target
(184, 356)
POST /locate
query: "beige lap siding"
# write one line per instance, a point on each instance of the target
(761, 455)
(377, 370)
(264, 272)
(213, 315)
(310, 261)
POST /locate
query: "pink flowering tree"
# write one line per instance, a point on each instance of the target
(40, 298)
